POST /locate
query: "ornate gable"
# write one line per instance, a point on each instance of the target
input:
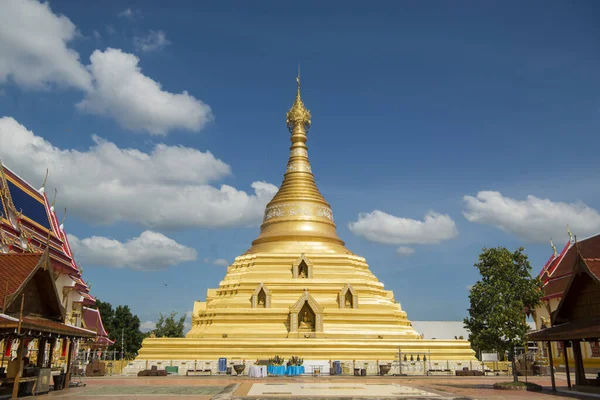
(298, 266)
(256, 297)
(314, 306)
(344, 293)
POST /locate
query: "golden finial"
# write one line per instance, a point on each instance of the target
(42, 189)
(553, 247)
(53, 200)
(62, 223)
(298, 116)
(570, 234)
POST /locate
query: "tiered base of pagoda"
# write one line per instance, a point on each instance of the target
(203, 354)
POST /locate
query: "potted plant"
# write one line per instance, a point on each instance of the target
(384, 368)
(295, 361)
(276, 361)
(239, 368)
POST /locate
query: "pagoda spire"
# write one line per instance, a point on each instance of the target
(298, 117)
(298, 212)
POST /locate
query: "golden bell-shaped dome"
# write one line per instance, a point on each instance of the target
(298, 218)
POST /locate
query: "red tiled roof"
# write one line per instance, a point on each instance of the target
(93, 321)
(583, 329)
(104, 341)
(15, 269)
(553, 262)
(593, 265)
(562, 266)
(44, 325)
(556, 286)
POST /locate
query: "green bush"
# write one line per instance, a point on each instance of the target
(295, 361)
(276, 360)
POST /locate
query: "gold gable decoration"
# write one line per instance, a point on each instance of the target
(261, 298)
(299, 311)
(302, 268)
(348, 298)
(14, 216)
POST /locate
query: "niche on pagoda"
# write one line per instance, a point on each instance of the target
(306, 315)
(261, 298)
(347, 298)
(302, 268)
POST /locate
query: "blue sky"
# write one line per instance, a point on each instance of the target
(415, 105)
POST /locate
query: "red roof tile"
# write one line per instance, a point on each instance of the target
(93, 321)
(44, 325)
(556, 286)
(563, 265)
(14, 270)
(593, 265)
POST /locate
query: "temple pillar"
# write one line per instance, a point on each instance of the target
(69, 357)
(50, 352)
(579, 370)
(41, 352)
(551, 366)
(20, 351)
(566, 355)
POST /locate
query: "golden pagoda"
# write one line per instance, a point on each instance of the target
(298, 290)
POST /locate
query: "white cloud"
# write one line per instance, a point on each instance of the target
(34, 53)
(533, 219)
(469, 287)
(33, 47)
(380, 227)
(221, 261)
(149, 251)
(97, 35)
(147, 326)
(137, 102)
(127, 13)
(405, 251)
(167, 187)
(206, 260)
(154, 41)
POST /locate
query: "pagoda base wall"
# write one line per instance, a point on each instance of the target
(187, 352)
(412, 368)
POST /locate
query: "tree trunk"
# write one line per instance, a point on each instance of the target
(514, 364)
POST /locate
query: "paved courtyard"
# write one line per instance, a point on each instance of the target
(228, 387)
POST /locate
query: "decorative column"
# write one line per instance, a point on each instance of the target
(566, 355)
(41, 352)
(69, 357)
(579, 370)
(20, 351)
(551, 365)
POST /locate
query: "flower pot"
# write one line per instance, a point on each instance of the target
(239, 368)
(384, 369)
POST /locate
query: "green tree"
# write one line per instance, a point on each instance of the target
(167, 326)
(500, 301)
(107, 313)
(123, 327)
(126, 329)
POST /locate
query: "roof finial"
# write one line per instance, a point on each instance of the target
(41, 190)
(298, 81)
(553, 247)
(298, 118)
(570, 234)
(62, 223)
(53, 200)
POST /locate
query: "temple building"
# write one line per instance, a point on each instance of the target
(298, 291)
(29, 224)
(556, 275)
